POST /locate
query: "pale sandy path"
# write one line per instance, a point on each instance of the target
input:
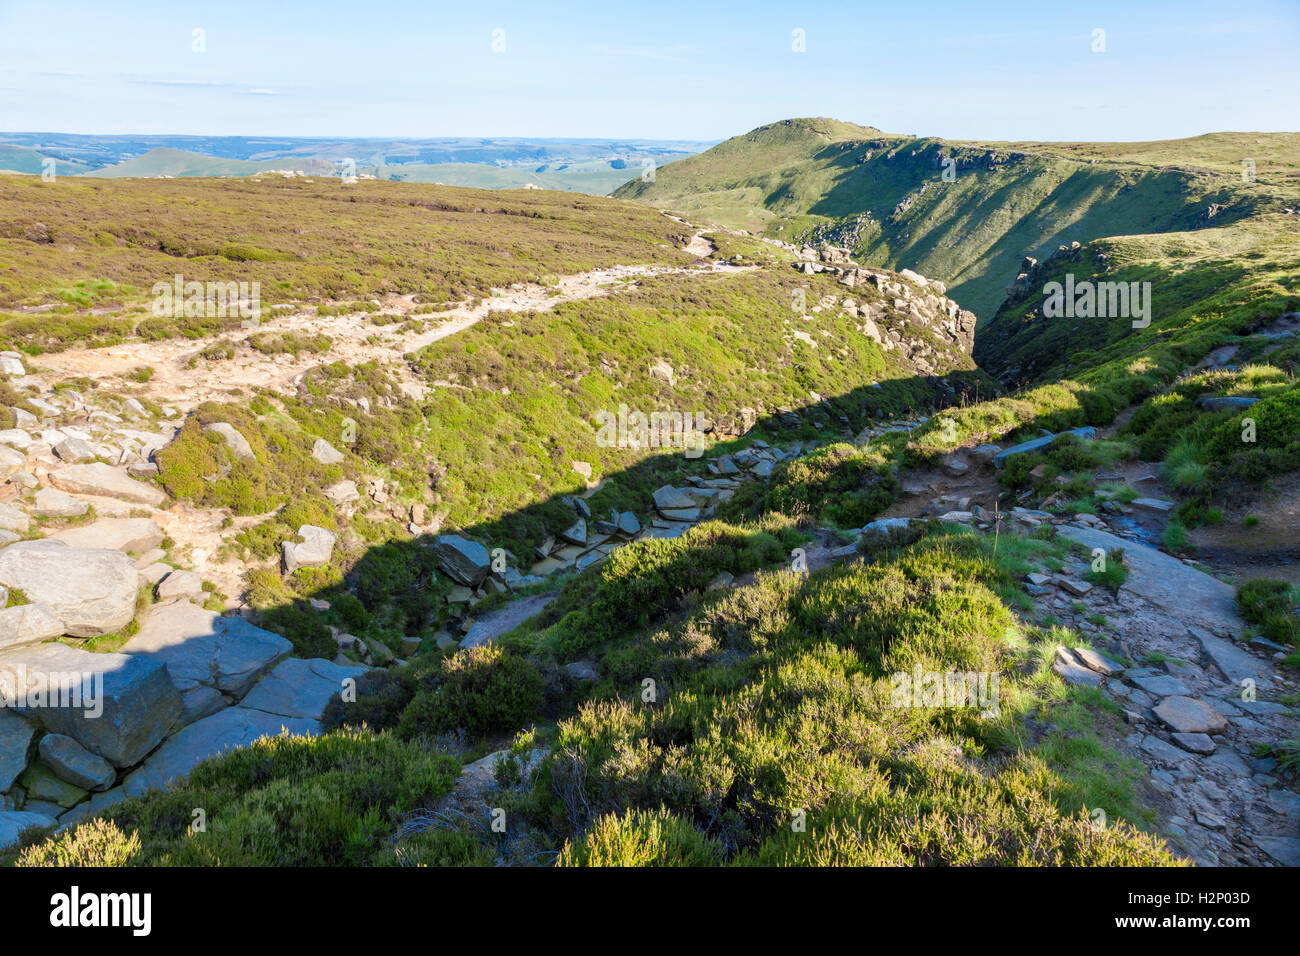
(199, 533)
(355, 338)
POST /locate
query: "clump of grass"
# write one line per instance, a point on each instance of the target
(1288, 753)
(222, 350)
(290, 343)
(1112, 573)
(1273, 607)
(1183, 467)
(94, 843)
(1174, 537)
(642, 838)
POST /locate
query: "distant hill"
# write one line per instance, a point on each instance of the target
(598, 177)
(24, 159)
(575, 165)
(177, 163)
(886, 196)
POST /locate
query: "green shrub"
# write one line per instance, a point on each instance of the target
(351, 612)
(381, 698)
(94, 843)
(642, 838)
(479, 690)
(285, 800)
(839, 484)
(650, 576)
(1068, 454)
(775, 704)
(302, 625)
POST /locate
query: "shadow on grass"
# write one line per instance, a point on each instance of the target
(395, 589)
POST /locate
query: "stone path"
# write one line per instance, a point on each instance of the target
(588, 541)
(1196, 706)
(1190, 594)
(1176, 626)
(488, 627)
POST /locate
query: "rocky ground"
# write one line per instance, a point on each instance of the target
(84, 533)
(106, 582)
(1196, 701)
(1197, 704)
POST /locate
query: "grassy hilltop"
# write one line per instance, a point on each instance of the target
(883, 195)
(1222, 256)
(75, 243)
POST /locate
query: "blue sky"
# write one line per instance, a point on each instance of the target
(666, 70)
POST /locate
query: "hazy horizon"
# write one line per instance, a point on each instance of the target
(402, 70)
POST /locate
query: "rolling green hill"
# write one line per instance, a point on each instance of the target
(24, 159)
(436, 241)
(1219, 249)
(164, 161)
(887, 198)
(597, 177)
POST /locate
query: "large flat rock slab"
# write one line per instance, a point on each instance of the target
(203, 649)
(136, 535)
(74, 763)
(91, 590)
(226, 730)
(14, 822)
(465, 562)
(1285, 850)
(1185, 715)
(118, 706)
(28, 624)
(1236, 663)
(1087, 432)
(1181, 591)
(504, 619)
(106, 481)
(15, 747)
(300, 688)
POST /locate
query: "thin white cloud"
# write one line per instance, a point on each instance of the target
(199, 83)
(673, 53)
(262, 92)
